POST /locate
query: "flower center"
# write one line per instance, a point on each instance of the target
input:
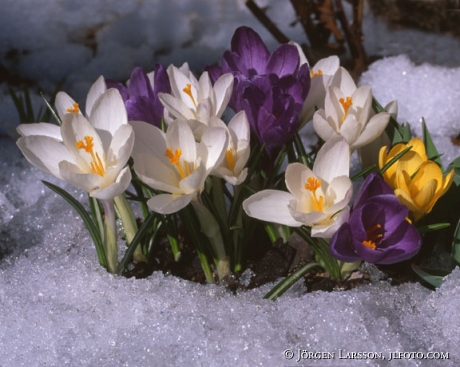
(315, 73)
(188, 91)
(346, 104)
(96, 165)
(74, 108)
(230, 157)
(312, 185)
(372, 236)
(174, 159)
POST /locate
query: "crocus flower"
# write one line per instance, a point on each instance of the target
(196, 100)
(141, 94)
(65, 104)
(417, 181)
(348, 112)
(173, 162)
(321, 78)
(377, 231)
(271, 88)
(233, 168)
(317, 198)
(90, 154)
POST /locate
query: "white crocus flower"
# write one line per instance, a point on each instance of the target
(173, 162)
(233, 168)
(348, 113)
(65, 104)
(317, 198)
(321, 77)
(90, 155)
(195, 100)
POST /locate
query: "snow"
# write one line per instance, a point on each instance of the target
(60, 308)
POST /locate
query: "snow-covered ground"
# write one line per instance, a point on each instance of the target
(59, 308)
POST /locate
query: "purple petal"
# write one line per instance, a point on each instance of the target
(341, 245)
(249, 46)
(139, 84)
(283, 61)
(373, 185)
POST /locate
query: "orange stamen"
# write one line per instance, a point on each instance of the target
(174, 159)
(346, 104)
(96, 165)
(312, 185)
(74, 108)
(313, 73)
(230, 157)
(188, 90)
(372, 236)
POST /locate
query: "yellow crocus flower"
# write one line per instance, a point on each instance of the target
(418, 182)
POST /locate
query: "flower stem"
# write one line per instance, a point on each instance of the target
(129, 224)
(110, 237)
(211, 229)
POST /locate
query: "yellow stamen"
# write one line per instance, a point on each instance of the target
(313, 73)
(74, 109)
(372, 236)
(188, 90)
(312, 185)
(174, 159)
(230, 157)
(346, 104)
(96, 165)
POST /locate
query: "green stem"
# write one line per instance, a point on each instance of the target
(129, 223)
(289, 281)
(110, 238)
(211, 229)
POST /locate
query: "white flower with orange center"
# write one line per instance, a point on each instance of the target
(175, 163)
(90, 155)
(195, 100)
(348, 113)
(317, 198)
(233, 168)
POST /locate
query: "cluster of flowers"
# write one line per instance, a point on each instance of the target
(187, 160)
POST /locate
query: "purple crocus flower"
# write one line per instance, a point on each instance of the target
(141, 95)
(270, 88)
(377, 231)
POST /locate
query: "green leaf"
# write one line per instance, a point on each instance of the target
(394, 159)
(86, 220)
(362, 172)
(435, 277)
(431, 151)
(51, 110)
(432, 227)
(289, 281)
(143, 230)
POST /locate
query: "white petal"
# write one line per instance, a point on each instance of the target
(116, 188)
(44, 152)
(168, 204)
(239, 124)
(176, 106)
(333, 159)
(271, 206)
(372, 130)
(109, 113)
(205, 90)
(343, 80)
(41, 129)
(62, 103)
(223, 88)
(216, 141)
(121, 146)
(324, 127)
(327, 231)
(180, 136)
(295, 182)
(338, 194)
(97, 89)
(329, 65)
(149, 140)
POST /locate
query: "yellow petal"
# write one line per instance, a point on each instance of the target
(419, 147)
(424, 200)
